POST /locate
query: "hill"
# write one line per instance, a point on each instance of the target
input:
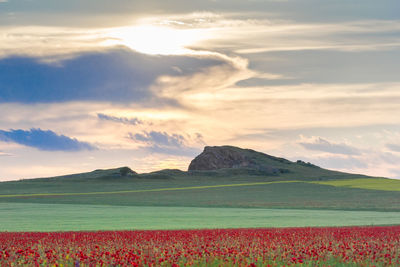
(223, 176)
(230, 160)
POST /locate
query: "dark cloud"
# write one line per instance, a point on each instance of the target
(320, 144)
(393, 147)
(124, 120)
(162, 142)
(44, 140)
(160, 138)
(113, 76)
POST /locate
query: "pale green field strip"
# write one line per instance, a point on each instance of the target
(67, 217)
(372, 184)
(145, 190)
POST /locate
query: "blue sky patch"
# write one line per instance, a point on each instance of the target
(44, 140)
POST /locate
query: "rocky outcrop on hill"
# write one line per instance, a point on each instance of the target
(229, 157)
(126, 171)
(220, 157)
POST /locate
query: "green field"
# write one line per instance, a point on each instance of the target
(233, 192)
(139, 190)
(61, 217)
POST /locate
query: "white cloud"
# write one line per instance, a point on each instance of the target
(48, 42)
(3, 154)
(269, 36)
(191, 89)
(208, 32)
(320, 144)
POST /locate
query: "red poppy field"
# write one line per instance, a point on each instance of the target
(354, 246)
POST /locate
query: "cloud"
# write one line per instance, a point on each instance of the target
(165, 143)
(50, 42)
(389, 158)
(393, 147)
(237, 33)
(117, 75)
(250, 32)
(299, 72)
(195, 89)
(44, 140)
(123, 120)
(338, 162)
(4, 154)
(159, 138)
(283, 35)
(396, 173)
(124, 11)
(319, 144)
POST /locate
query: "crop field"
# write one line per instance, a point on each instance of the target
(65, 217)
(350, 246)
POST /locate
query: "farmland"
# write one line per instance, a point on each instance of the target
(359, 246)
(69, 217)
(171, 199)
(236, 216)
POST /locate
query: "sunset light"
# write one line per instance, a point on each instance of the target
(157, 40)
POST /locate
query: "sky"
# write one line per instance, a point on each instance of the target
(99, 84)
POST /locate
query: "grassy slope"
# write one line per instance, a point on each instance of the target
(317, 192)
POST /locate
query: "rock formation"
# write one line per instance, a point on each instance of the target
(221, 157)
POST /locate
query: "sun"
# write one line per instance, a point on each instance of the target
(157, 40)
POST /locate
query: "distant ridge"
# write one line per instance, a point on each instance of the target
(120, 172)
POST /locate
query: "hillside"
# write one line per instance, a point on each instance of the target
(219, 177)
(232, 160)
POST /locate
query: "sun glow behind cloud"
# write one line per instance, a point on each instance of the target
(157, 40)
